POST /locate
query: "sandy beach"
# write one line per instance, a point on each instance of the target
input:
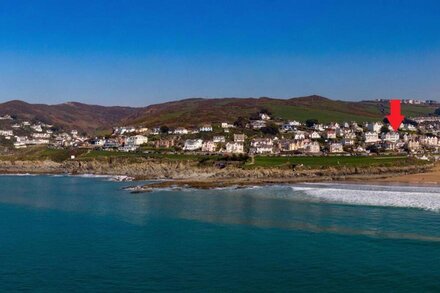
(431, 177)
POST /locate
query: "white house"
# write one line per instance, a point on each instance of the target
(262, 146)
(37, 128)
(193, 144)
(128, 148)
(318, 127)
(390, 136)
(336, 148)
(389, 145)
(219, 139)
(348, 141)
(371, 137)
(312, 147)
(227, 125)
(136, 140)
(239, 137)
(315, 135)
(6, 117)
(413, 145)
(257, 141)
(296, 145)
(430, 140)
(6, 133)
(41, 135)
(234, 148)
(124, 129)
(209, 146)
(408, 127)
(330, 134)
(294, 123)
(180, 130)
(206, 128)
(350, 135)
(264, 116)
(375, 127)
(299, 135)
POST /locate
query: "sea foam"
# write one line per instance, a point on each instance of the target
(427, 198)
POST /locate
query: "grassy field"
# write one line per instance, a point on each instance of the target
(41, 153)
(272, 161)
(266, 161)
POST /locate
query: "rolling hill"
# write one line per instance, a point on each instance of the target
(192, 112)
(196, 111)
(70, 115)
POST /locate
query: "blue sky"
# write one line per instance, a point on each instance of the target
(143, 52)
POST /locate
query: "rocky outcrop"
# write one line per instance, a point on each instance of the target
(162, 169)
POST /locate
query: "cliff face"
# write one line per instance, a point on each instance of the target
(155, 169)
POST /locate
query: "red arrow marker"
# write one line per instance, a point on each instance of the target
(395, 118)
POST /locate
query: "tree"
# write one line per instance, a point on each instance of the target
(373, 148)
(164, 129)
(311, 122)
(437, 112)
(384, 129)
(271, 129)
(265, 111)
(241, 122)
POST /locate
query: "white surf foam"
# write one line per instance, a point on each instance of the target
(386, 196)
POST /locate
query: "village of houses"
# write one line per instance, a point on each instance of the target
(290, 138)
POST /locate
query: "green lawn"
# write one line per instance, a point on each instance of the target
(266, 161)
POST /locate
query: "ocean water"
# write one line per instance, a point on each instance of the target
(78, 234)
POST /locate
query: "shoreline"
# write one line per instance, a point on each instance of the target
(185, 175)
(238, 184)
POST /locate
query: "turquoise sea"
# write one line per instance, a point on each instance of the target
(74, 234)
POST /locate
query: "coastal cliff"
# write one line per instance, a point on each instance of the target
(190, 171)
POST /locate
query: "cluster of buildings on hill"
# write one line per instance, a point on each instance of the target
(289, 138)
(413, 101)
(255, 137)
(22, 134)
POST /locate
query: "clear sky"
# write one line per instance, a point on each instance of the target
(143, 52)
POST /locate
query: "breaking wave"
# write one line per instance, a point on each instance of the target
(426, 198)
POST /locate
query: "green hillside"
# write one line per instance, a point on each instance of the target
(197, 111)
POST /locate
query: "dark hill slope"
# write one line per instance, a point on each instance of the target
(69, 115)
(193, 112)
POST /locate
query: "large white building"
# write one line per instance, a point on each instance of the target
(181, 130)
(234, 148)
(336, 148)
(209, 146)
(375, 127)
(390, 136)
(371, 137)
(136, 140)
(193, 144)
